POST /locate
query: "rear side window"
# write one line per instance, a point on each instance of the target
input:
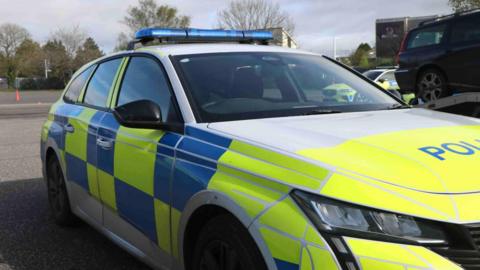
(372, 74)
(389, 76)
(101, 83)
(426, 37)
(76, 86)
(145, 79)
(466, 30)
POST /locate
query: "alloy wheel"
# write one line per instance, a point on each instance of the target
(218, 255)
(431, 86)
(56, 189)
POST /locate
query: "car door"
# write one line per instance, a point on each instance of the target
(80, 142)
(79, 149)
(136, 174)
(464, 53)
(389, 77)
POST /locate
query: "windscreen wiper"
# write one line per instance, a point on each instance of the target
(398, 106)
(321, 111)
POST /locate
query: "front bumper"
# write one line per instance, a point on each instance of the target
(294, 243)
(374, 255)
(463, 252)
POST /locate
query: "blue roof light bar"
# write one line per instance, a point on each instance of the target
(200, 35)
(161, 32)
(258, 35)
(214, 34)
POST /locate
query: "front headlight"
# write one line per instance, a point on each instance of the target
(362, 222)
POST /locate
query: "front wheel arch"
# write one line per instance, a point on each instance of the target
(218, 203)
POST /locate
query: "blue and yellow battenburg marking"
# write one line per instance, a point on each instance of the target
(133, 178)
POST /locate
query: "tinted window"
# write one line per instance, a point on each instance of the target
(389, 76)
(144, 79)
(426, 37)
(466, 30)
(235, 86)
(101, 82)
(77, 85)
(372, 74)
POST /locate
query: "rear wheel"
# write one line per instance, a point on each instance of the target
(58, 196)
(432, 85)
(225, 244)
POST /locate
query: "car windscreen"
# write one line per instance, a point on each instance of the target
(249, 85)
(372, 74)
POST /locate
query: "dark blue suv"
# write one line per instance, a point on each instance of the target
(441, 57)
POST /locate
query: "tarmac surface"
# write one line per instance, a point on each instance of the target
(29, 239)
(30, 97)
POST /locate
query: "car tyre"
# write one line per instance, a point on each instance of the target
(225, 244)
(58, 196)
(432, 85)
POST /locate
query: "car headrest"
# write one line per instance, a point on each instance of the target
(246, 84)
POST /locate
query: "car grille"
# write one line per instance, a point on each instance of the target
(467, 253)
(475, 234)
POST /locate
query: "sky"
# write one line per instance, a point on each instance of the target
(317, 21)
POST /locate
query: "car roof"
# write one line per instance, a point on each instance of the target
(446, 19)
(196, 48)
(200, 48)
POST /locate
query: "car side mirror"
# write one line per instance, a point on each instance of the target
(139, 114)
(381, 80)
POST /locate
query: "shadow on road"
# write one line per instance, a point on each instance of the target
(30, 240)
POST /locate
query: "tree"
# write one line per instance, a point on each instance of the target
(462, 5)
(255, 14)
(149, 14)
(58, 59)
(71, 38)
(89, 51)
(360, 57)
(11, 36)
(30, 59)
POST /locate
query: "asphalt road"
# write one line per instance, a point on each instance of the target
(28, 237)
(30, 97)
(31, 104)
(20, 148)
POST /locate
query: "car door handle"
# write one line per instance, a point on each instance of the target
(69, 128)
(104, 143)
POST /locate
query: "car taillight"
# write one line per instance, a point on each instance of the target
(402, 48)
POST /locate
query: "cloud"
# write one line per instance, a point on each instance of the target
(317, 21)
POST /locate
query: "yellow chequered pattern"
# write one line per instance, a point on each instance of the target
(258, 180)
(124, 183)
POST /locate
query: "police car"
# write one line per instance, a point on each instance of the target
(212, 150)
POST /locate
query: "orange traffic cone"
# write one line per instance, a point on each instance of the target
(17, 95)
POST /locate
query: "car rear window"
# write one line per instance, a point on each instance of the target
(424, 37)
(76, 86)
